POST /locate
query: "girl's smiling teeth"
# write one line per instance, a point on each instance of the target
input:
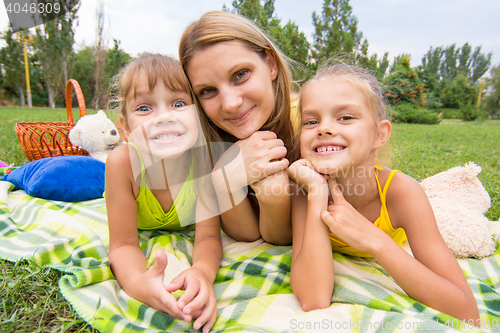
(322, 149)
(167, 136)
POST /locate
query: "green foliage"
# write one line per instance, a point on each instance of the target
(85, 66)
(54, 47)
(403, 84)
(458, 91)
(12, 66)
(470, 112)
(406, 113)
(448, 113)
(288, 38)
(336, 31)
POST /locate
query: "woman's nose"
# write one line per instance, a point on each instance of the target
(231, 99)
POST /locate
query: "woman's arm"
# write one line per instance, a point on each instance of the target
(248, 162)
(125, 256)
(433, 277)
(273, 196)
(312, 274)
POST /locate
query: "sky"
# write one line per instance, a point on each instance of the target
(394, 26)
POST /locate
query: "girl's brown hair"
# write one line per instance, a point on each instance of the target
(219, 26)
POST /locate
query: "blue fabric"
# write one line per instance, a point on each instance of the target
(64, 178)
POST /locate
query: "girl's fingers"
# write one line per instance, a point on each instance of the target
(168, 304)
(197, 302)
(208, 326)
(207, 317)
(161, 262)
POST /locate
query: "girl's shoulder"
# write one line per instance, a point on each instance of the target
(119, 160)
(400, 183)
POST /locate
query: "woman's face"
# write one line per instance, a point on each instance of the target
(234, 85)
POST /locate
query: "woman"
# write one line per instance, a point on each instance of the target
(241, 82)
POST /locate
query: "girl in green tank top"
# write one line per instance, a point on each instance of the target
(151, 184)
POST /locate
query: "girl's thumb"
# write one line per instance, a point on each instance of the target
(335, 191)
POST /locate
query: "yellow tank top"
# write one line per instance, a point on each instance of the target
(150, 214)
(383, 222)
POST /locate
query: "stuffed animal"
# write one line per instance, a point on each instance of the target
(459, 201)
(96, 134)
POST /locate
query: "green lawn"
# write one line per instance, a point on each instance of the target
(30, 300)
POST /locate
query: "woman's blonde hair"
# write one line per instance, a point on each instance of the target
(220, 26)
(361, 79)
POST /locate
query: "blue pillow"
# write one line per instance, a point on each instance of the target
(64, 178)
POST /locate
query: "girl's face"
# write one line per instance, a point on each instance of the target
(160, 122)
(338, 130)
(234, 85)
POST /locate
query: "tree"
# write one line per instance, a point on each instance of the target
(12, 66)
(100, 53)
(115, 60)
(288, 38)
(492, 98)
(403, 85)
(458, 92)
(336, 31)
(462, 60)
(54, 46)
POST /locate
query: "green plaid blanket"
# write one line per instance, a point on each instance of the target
(252, 285)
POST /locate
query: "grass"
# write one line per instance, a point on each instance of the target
(30, 299)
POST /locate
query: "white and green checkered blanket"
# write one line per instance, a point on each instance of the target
(252, 285)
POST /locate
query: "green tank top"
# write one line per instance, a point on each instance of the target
(150, 214)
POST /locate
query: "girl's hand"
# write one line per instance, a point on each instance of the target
(347, 223)
(156, 294)
(262, 154)
(303, 173)
(198, 300)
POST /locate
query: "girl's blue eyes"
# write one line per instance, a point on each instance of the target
(315, 122)
(143, 108)
(177, 104)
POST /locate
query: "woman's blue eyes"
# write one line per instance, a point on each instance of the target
(238, 76)
(241, 74)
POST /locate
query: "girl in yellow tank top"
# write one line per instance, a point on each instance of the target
(348, 203)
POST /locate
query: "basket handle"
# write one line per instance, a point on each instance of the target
(72, 83)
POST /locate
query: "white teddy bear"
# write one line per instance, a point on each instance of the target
(96, 134)
(459, 201)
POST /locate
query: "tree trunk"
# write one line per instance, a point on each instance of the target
(21, 95)
(52, 103)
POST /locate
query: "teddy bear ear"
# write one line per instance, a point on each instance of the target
(74, 136)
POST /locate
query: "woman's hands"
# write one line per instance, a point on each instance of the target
(260, 155)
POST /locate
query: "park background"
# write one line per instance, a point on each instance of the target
(432, 79)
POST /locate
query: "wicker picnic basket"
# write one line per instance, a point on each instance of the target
(46, 139)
